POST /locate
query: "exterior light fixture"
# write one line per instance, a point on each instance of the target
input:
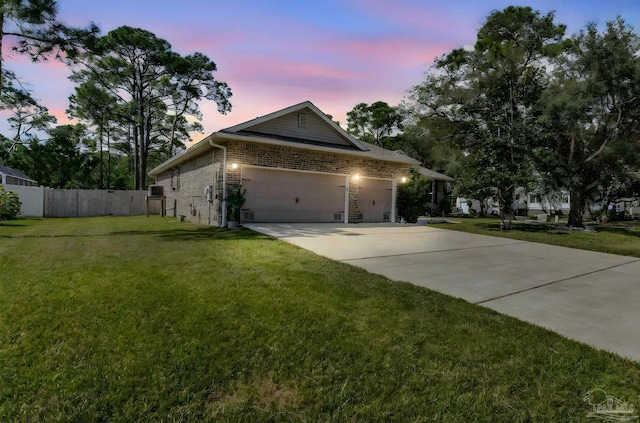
(234, 166)
(356, 177)
(403, 179)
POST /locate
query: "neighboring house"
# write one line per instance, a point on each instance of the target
(10, 176)
(30, 194)
(536, 202)
(296, 165)
(524, 203)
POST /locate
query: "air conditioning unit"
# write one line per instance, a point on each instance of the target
(156, 190)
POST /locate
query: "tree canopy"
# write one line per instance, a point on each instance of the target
(35, 27)
(529, 107)
(138, 84)
(372, 123)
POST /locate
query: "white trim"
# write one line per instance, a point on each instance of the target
(224, 181)
(346, 199)
(394, 192)
(291, 170)
(375, 177)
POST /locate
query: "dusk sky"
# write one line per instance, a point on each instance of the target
(274, 54)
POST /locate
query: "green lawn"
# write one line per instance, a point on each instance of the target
(614, 237)
(143, 319)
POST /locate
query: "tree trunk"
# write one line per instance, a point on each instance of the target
(576, 209)
(108, 160)
(101, 158)
(1, 36)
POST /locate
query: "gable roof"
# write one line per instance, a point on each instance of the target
(432, 174)
(12, 172)
(260, 130)
(329, 129)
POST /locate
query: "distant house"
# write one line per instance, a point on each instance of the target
(10, 176)
(524, 203)
(296, 164)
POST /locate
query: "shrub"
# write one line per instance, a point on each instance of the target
(9, 204)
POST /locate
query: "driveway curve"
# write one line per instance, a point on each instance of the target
(588, 296)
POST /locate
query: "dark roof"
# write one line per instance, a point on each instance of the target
(292, 139)
(12, 172)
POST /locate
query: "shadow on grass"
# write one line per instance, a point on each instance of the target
(202, 234)
(11, 223)
(524, 227)
(199, 234)
(624, 231)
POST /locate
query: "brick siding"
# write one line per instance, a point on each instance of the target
(198, 173)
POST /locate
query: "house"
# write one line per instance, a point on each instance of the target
(30, 194)
(10, 176)
(524, 203)
(296, 164)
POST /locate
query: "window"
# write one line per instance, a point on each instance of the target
(535, 199)
(565, 198)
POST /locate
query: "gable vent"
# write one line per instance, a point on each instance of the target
(302, 120)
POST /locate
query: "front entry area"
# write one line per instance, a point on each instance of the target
(277, 195)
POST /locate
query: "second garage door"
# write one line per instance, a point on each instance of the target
(275, 195)
(375, 200)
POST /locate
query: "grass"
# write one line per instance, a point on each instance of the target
(142, 319)
(621, 238)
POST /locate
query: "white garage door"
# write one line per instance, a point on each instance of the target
(289, 196)
(375, 200)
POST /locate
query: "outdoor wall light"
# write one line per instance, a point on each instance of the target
(234, 166)
(356, 177)
(403, 179)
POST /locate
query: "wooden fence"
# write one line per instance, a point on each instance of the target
(87, 202)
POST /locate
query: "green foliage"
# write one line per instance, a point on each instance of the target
(233, 326)
(486, 101)
(34, 29)
(60, 162)
(413, 197)
(591, 117)
(373, 123)
(235, 201)
(9, 204)
(26, 115)
(430, 143)
(137, 81)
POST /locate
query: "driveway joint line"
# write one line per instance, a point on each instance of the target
(553, 282)
(435, 251)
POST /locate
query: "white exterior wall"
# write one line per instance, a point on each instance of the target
(32, 199)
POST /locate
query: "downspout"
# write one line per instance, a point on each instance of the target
(224, 181)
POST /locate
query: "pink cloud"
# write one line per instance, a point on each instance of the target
(419, 16)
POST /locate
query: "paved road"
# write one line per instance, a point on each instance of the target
(588, 296)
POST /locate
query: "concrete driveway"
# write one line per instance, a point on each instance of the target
(588, 296)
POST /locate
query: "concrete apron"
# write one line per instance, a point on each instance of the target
(588, 296)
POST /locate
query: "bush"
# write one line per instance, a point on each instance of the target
(9, 204)
(413, 197)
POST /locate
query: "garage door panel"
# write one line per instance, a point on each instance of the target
(375, 200)
(285, 196)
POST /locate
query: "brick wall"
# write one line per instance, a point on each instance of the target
(184, 186)
(196, 174)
